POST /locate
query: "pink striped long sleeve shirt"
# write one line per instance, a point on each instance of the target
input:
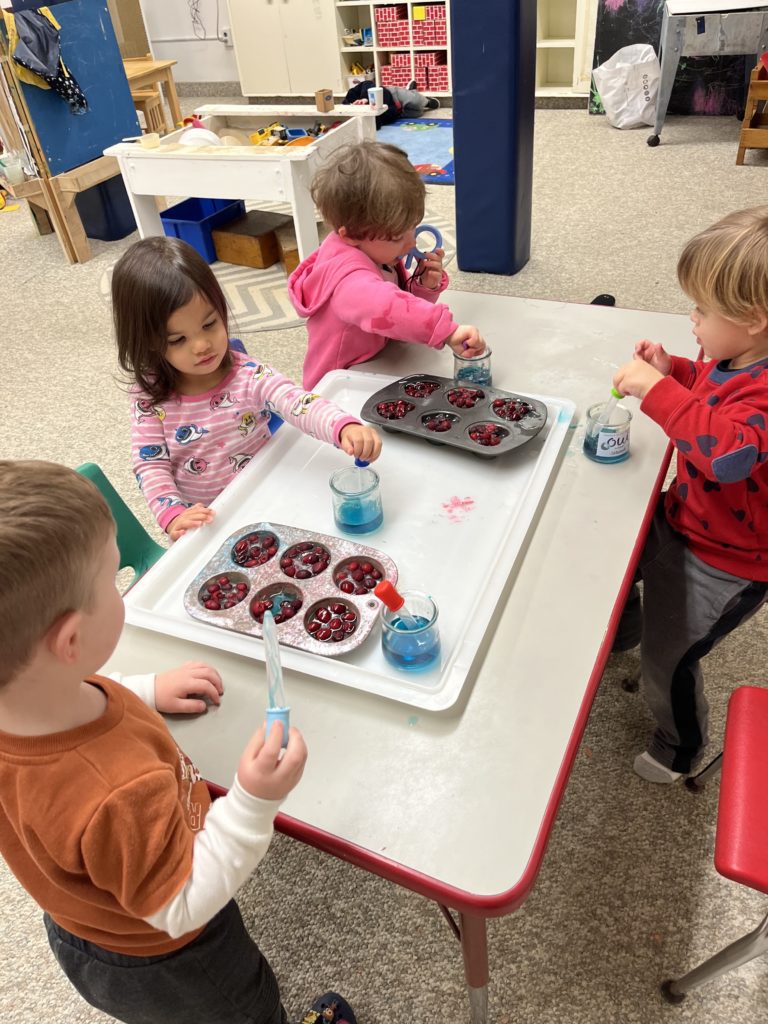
(188, 448)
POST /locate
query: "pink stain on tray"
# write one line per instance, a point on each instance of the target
(458, 508)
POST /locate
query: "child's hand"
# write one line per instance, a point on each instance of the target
(173, 689)
(429, 270)
(636, 378)
(262, 772)
(360, 103)
(360, 441)
(466, 341)
(653, 353)
(197, 515)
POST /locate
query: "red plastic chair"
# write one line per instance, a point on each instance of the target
(741, 845)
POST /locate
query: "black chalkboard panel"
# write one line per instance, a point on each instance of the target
(703, 85)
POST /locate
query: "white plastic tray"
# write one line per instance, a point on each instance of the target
(453, 523)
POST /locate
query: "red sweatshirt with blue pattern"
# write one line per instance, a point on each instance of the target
(717, 419)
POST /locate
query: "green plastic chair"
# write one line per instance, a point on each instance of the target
(136, 547)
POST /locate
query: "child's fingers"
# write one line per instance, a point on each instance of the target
(185, 706)
(204, 688)
(295, 756)
(199, 670)
(254, 744)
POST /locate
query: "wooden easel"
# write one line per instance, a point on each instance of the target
(754, 128)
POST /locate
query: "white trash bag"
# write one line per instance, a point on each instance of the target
(628, 83)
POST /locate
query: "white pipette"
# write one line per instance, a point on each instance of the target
(277, 709)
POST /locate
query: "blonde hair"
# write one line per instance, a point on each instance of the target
(371, 190)
(53, 526)
(725, 267)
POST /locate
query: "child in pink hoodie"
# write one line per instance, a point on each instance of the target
(354, 289)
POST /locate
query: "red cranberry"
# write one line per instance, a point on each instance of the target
(323, 615)
(347, 586)
(212, 605)
(323, 634)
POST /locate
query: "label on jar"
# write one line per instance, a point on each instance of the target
(612, 444)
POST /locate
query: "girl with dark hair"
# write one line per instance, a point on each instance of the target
(200, 409)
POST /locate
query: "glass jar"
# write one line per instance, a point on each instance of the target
(411, 641)
(473, 369)
(356, 500)
(607, 442)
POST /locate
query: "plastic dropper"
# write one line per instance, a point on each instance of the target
(277, 709)
(360, 464)
(605, 416)
(395, 601)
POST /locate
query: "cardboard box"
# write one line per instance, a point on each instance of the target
(250, 241)
(324, 100)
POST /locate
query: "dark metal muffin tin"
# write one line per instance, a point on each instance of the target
(269, 578)
(463, 420)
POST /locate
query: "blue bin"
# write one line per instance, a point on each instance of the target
(193, 220)
(105, 210)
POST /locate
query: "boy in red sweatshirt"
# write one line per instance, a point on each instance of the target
(705, 563)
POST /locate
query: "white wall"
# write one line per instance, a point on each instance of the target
(199, 60)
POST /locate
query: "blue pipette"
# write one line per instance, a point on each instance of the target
(277, 709)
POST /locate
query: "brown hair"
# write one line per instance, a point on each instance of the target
(150, 281)
(725, 267)
(53, 526)
(371, 190)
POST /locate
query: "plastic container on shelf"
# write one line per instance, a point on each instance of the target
(193, 220)
(105, 210)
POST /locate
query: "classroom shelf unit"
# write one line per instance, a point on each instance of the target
(565, 42)
(409, 40)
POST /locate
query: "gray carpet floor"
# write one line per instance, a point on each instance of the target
(628, 893)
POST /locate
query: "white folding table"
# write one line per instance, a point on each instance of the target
(458, 805)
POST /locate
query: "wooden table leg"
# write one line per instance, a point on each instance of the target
(58, 220)
(78, 239)
(172, 97)
(303, 208)
(40, 217)
(474, 947)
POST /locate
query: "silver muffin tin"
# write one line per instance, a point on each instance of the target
(517, 433)
(269, 578)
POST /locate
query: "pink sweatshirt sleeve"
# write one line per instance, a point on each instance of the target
(430, 294)
(152, 465)
(318, 417)
(380, 307)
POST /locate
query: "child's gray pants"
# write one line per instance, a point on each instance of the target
(687, 608)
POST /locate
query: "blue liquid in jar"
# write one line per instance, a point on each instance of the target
(590, 449)
(409, 650)
(359, 516)
(475, 375)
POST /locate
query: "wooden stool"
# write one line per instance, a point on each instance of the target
(149, 102)
(754, 128)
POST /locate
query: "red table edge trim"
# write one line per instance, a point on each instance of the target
(504, 902)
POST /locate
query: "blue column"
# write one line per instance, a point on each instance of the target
(493, 57)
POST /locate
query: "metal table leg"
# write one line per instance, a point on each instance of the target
(474, 947)
(671, 46)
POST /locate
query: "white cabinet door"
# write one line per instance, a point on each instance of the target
(311, 45)
(285, 46)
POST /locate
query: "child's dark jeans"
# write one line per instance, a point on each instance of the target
(221, 977)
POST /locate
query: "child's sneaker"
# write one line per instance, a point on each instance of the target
(651, 770)
(432, 103)
(411, 87)
(330, 1009)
